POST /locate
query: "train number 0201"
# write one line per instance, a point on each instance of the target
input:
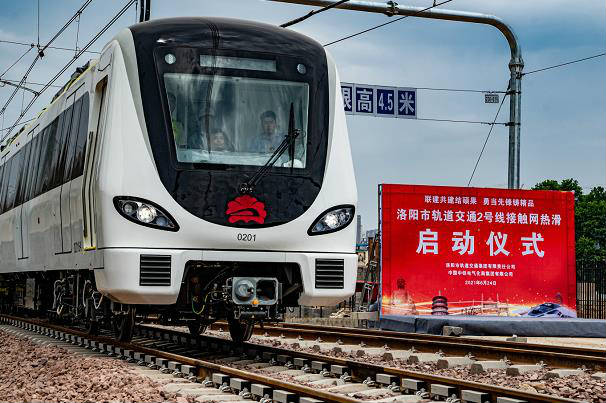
(247, 237)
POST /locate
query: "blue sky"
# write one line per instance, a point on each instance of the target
(563, 110)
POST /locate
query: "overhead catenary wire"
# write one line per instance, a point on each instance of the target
(41, 55)
(24, 122)
(30, 83)
(7, 82)
(67, 24)
(17, 61)
(32, 45)
(479, 122)
(564, 64)
(38, 15)
(52, 80)
(487, 137)
(386, 23)
(312, 13)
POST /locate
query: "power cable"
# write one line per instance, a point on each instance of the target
(30, 83)
(77, 35)
(17, 61)
(38, 15)
(460, 90)
(48, 47)
(67, 24)
(52, 80)
(41, 55)
(24, 122)
(312, 13)
(463, 121)
(488, 136)
(7, 82)
(386, 23)
(563, 64)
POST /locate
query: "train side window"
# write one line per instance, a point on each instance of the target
(22, 180)
(11, 192)
(78, 166)
(55, 179)
(71, 144)
(32, 170)
(54, 151)
(46, 157)
(3, 192)
(68, 128)
(41, 156)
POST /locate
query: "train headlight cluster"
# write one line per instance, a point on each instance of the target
(144, 212)
(332, 220)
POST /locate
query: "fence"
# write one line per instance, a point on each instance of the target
(591, 291)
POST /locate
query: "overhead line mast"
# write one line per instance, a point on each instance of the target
(516, 63)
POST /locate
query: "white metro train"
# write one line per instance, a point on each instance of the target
(200, 169)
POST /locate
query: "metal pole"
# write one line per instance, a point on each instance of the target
(516, 64)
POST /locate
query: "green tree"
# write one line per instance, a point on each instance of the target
(590, 215)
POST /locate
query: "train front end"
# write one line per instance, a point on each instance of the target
(227, 186)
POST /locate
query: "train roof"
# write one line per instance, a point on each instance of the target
(76, 76)
(224, 33)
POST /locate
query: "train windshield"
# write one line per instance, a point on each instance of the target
(235, 120)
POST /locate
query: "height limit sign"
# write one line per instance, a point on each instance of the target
(373, 100)
(491, 98)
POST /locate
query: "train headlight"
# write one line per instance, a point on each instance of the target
(332, 220)
(145, 213)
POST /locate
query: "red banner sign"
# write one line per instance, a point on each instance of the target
(472, 251)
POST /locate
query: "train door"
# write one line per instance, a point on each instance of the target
(80, 135)
(57, 184)
(89, 178)
(65, 169)
(34, 155)
(12, 224)
(99, 101)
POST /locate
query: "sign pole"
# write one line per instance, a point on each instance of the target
(516, 64)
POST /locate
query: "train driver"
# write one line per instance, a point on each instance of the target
(177, 126)
(269, 139)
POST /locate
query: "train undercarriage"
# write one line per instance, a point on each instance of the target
(210, 291)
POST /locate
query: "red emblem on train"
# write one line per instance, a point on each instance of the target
(246, 208)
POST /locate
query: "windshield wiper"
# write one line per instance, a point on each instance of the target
(287, 143)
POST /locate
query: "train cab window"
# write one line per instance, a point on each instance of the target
(11, 191)
(80, 151)
(236, 120)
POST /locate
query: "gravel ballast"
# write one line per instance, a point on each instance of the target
(34, 373)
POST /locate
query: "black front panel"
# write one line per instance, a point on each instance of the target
(206, 190)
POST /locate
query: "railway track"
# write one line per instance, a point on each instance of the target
(360, 341)
(282, 375)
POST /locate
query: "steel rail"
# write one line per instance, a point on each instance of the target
(522, 353)
(359, 370)
(362, 370)
(424, 336)
(205, 368)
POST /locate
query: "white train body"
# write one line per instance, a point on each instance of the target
(77, 225)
